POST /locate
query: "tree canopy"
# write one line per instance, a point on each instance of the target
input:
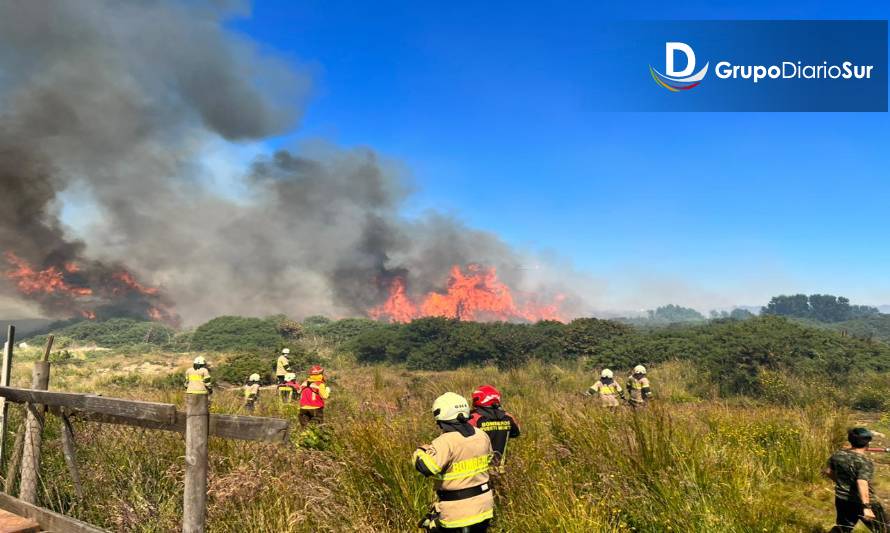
(818, 307)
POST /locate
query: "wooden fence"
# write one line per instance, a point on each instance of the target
(196, 423)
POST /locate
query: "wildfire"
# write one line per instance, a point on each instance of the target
(91, 291)
(130, 282)
(48, 281)
(476, 294)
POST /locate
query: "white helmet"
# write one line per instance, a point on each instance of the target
(290, 376)
(285, 351)
(254, 377)
(639, 369)
(200, 360)
(450, 406)
(606, 373)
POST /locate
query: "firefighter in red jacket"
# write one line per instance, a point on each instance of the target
(313, 393)
(490, 417)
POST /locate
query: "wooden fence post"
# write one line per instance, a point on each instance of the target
(197, 427)
(5, 374)
(33, 436)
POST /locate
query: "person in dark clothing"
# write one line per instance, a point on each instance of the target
(490, 417)
(854, 496)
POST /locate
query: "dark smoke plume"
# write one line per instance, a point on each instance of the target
(119, 100)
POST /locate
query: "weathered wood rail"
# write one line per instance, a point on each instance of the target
(196, 423)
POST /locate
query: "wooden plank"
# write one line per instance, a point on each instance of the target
(249, 428)
(5, 374)
(254, 428)
(135, 409)
(48, 520)
(13, 523)
(66, 399)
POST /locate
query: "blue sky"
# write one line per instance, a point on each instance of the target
(495, 108)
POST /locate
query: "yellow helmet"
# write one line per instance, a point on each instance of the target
(200, 361)
(606, 373)
(254, 377)
(450, 406)
(639, 369)
(285, 351)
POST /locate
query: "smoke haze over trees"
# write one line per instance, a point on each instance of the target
(115, 104)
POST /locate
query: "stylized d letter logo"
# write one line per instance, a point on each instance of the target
(669, 49)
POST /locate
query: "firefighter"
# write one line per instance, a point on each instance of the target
(282, 366)
(313, 393)
(638, 387)
(458, 460)
(490, 417)
(288, 387)
(607, 389)
(854, 495)
(197, 378)
(251, 391)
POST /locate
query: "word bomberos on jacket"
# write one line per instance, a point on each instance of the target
(458, 460)
(489, 416)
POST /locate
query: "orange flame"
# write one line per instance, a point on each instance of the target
(398, 307)
(477, 294)
(48, 281)
(61, 289)
(130, 282)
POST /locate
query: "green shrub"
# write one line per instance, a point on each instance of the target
(113, 333)
(236, 333)
(238, 368)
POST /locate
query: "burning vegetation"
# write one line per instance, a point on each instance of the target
(99, 291)
(120, 120)
(475, 293)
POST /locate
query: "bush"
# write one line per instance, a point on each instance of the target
(344, 331)
(236, 333)
(113, 333)
(238, 368)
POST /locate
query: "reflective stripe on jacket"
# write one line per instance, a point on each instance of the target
(313, 393)
(499, 425)
(606, 390)
(636, 388)
(457, 462)
(251, 390)
(197, 381)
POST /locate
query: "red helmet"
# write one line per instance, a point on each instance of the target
(486, 396)
(316, 369)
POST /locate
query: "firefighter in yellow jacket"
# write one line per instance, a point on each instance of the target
(252, 392)
(282, 366)
(458, 460)
(607, 389)
(638, 387)
(197, 378)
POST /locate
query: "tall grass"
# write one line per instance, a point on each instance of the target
(688, 463)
